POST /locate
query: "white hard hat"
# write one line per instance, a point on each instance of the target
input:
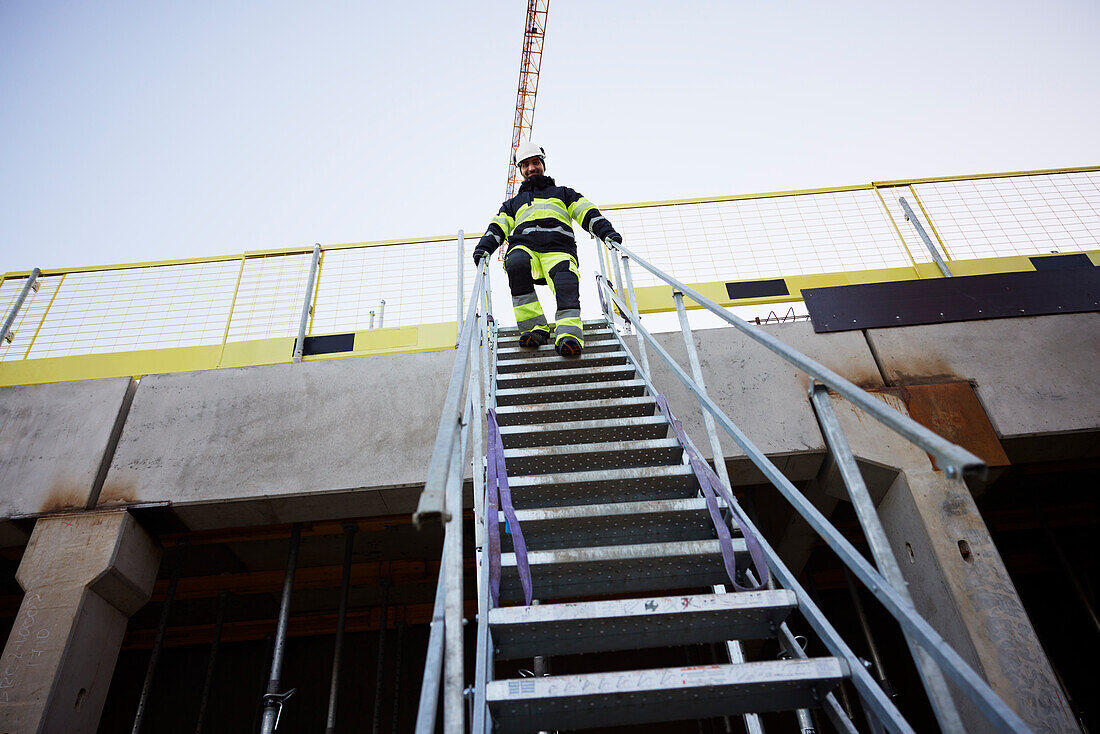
(526, 150)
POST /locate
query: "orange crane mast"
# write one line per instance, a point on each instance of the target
(534, 33)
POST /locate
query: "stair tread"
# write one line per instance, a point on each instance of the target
(660, 694)
(601, 570)
(569, 392)
(623, 624)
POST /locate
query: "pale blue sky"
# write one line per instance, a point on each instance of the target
(152, 130)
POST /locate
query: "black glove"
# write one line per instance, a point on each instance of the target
(480, 252)
(616, 238)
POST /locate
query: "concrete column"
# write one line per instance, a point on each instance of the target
(84, 575)
(956, 576)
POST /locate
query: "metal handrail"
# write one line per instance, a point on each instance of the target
(432, 504)
(955, 460)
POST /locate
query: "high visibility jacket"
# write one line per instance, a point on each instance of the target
(538, 217)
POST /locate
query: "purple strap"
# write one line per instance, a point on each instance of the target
(497, 480)
(711, 485)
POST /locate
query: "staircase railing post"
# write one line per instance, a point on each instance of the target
(461, 280)
(912, 219)
(635, 313)
(13, 312)
(307, 304)
(931, 676)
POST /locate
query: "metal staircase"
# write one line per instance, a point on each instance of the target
(609, 508)
(599, 529)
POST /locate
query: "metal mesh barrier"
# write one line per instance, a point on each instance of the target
(255, 296)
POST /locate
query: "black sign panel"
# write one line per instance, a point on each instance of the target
(330, 344)
(941, 300)
(757, 288)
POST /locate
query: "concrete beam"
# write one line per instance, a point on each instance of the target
(282, 443)
(84, 576)
(956, 575)
(55, 444)
(1034, 376)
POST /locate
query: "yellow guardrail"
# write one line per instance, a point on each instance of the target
(239, 310)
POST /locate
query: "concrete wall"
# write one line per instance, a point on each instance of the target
(763, 394)
(55, 442)
(1035, 375)
(259, 445)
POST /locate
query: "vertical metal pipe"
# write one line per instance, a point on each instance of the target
(461, 280)
(618, 285)
(935, 684)
(380, 668)
(273, 700)
(370, 324)
(307, 304)
(158, 641)
(433, 658)
(395, 719)
(453, 665)
(633, 302)
(32, 282)
(482, 663)
(909, 215)
(350, 529)
(381, 312)
(223, 600)
(861, 617)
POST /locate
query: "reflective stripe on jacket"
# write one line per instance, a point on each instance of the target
(540, 218)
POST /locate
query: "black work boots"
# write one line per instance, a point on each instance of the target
(533, 339)
(568, 346)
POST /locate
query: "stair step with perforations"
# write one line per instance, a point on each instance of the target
(614, 523)
(571, 376)
(513, 353)
(617, 569)
(601, 487)
(573, 432)
(576, 410)
(568, 702)
(551, 361)
(607, 389)
(592, 456)
(634, 624)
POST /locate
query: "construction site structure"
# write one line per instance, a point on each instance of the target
(530, 63)
(268, 492)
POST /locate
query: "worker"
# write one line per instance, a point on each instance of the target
(541, 249)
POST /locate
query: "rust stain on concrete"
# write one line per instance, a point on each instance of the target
(63, 497)
(953, 411)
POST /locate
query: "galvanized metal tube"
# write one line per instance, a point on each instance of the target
(370, 323)
(13, 312)
(634, 313)
(481, 549)
(395, 720)
(158, 641)
(223, 601)
(380, 666)
(935, 684)
(697, 374)
(273, 706)
(381, 312)
(307, 304)
(912, 219)
(840, 718)
(869, 638)
(601, 254)
(618, 280)
(995, 709)
(454, 717)
(955, 460)
(341, 617)
(461, 279)
(433, 658)
(433, 502)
